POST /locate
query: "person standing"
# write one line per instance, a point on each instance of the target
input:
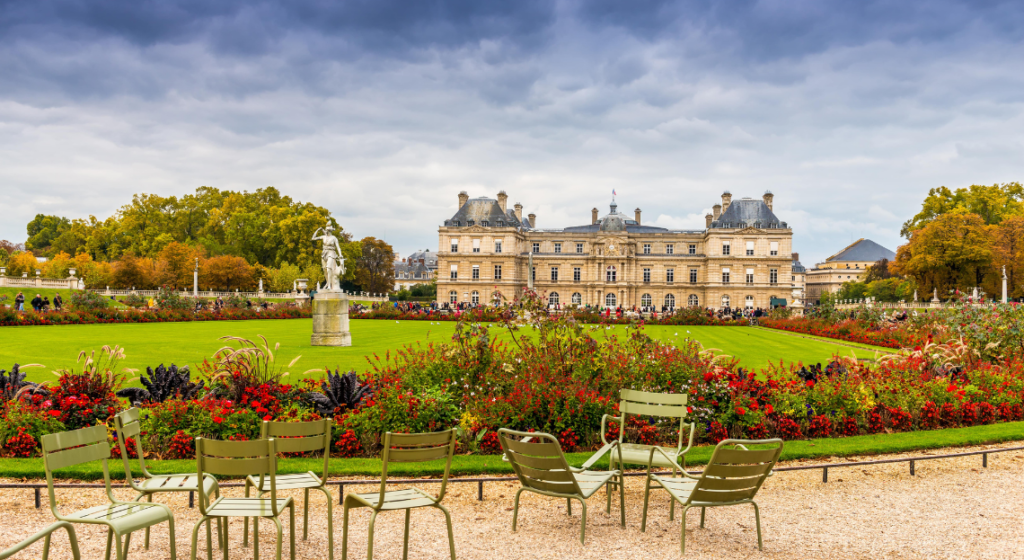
(37, 303)
(58, 302)
(19, 302)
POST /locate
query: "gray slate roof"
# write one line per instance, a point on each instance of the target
(863, 250)
(614, 221)
(429, 259)
(748, 212)
(798, 268)
(485, 212)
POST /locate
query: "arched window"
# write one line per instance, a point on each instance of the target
(553, 298)
(474, 297)
(453, 296)
(725, 301)
(670, 301)
(609, 274)
(694, 301)
(645, 300)
(577, 299)
(750, 302)
(609, 300)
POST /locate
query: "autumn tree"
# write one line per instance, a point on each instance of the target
(992, 203)
(952, 251)
(133, 272)
(226, 273)
(375, 269)
(177, 263)
(878, 271)
(1009, 252)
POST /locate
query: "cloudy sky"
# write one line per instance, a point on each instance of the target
(383, 111)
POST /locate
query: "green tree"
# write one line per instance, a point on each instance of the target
(375, 272)
(42, 230)
(952, 251)
(992, 203)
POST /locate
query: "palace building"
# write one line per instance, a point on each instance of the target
(743, 258)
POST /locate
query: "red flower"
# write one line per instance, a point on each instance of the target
(740, 411)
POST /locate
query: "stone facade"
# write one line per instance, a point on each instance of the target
(848, 265)
(743, 257)
(418, 268)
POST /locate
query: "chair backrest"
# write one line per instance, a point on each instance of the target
(417, 448)
(67, 449)
(735, 473)
(539, 464)
(128, 426)
(300, 437)
(642, 403)
(236, 458)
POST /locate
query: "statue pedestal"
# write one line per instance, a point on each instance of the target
(330, 320)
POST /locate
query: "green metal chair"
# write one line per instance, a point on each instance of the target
(299, 437)
(67, 449)
(241, 458)
(541, 468)
(665, 405)
(404, 448)
(733, 476)
(127, 424)
(45, 535)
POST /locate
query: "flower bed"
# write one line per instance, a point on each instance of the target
(680, 317)
(10, 317)
(855, 330)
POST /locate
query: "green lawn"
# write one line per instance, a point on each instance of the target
(467, 465)
(189, 343)
(45, 292)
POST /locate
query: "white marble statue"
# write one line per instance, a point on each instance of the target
(330, 257)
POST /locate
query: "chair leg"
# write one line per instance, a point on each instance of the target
(448, 521)
(671, 508)
(255, 538)
(330, 524)
(344, 532)
(222, 531)
(280, 535)
(110, 543)
(170, 529)
(127, 542)
(647, 496)
(195, 537)
(150, 496)
(46, 547)
(118, 550)
(75, 553)
(405, 537)
(369, 536)
(583, 524)
(245, 526)
(515, 511)
(305, 515)
(209, 538)
(682, 531)
(703, 510)
(757, 520)
(291, 530)
(622, 498)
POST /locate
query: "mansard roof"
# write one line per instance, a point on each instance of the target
(862, 250)
(484, 212)
(748, 212)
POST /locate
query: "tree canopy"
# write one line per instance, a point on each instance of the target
(992, 203)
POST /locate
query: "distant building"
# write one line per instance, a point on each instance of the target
(848, 265)
(418, 268)
(743, 257)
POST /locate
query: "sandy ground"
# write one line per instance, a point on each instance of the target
(952, 508)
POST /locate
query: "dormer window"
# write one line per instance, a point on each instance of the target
(501, 223)
(484, 223)
(470, 222)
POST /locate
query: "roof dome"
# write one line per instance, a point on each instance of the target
(615, 221)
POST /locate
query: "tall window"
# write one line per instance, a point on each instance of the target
(577, 298)
(497, 246)
(455, 245)
(579, 248)
(476, 272)
(693, 249)
(536, 247)
(577, 273)
(453, 296)
(474, 297)
(749, 304)
(533, 273)
(669, 249)
(609, 276)
(647, 248)
(773, 275)
(750, 248)
(670, 301)
(476, 245)
(647, 275)
(558, 247)
(693, 275)
(725, 248)
(750, 276)
(725, 301)
(497, 272)
(694, 301)
(670, 275)
(646, 300)
(554, 274)
(455, 272)
(725, 275)
(609, 300)
(774, 248)
(553, 298)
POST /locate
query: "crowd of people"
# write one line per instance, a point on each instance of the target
(40, 303)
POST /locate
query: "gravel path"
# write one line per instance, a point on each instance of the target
(953, 508)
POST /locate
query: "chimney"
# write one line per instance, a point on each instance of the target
(502, 201)
(707, 220)
(533, 220)
(463, 199)
(718, 210)
(768, 196)
(593, 216)
(637, 214)
(726, 200)
(519, 212)
(796, 257)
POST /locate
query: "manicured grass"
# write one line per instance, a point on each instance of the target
(151, 344)
(30, 293)
(467, 465)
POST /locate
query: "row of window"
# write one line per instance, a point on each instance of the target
(669, 248)
(611, 274)
(773, 248)
(610, 299)
(476, 245)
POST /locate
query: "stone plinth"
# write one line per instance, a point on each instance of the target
(330, 320)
